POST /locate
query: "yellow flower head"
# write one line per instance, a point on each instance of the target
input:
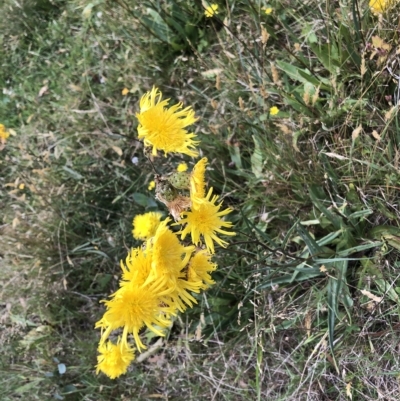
(205, 220)
(145, 225)
(114, 359)
(379, 6)
(134, 306)
(199, 268)
(151, 186)
(182, 167)
(197, 180)
(180, 297)
(125, 91)
(269, 10)
(3, 134)
(211, 10)
(137, 267)
(273, 111)
(164, 128)
(169, 256)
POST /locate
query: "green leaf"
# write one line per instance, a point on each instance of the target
(328, 55)
(385, 287)
(312, 245)
(316, 194)
(332, 309)
(157, 25)
(337, 286)
(380, 231)
(350, 43)
(301, 75)
(69, 388)
(297, 73)
(393, 241)
(235, 156)
(299, 274)
(141, 199)
(360, 248)
(74, 174)
(297, 105)
(33, 384)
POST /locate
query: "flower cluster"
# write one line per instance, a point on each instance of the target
(159, 278)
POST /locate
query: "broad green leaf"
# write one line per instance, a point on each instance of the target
(297, 73)
(328, 56)
(297, 105)
(235, 156)
(140, 199)
(380, 231)
(157, 25)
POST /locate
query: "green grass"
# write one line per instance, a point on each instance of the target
(306, 301)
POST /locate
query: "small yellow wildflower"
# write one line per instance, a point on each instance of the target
(3, 134)
(273, 111)
(211, 10)
(182, 167)
(151, 186)
(21, 186)
(164, 128)
(205, 220)
(114, 359)
(269, 10)
(145, 225)
(379, 6)
(125, 91)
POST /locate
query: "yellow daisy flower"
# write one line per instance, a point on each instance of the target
(134, 306)
(379, 6)
(137, 267)
(145, 225)
(114, 359)
(151, 186)
(205, 220)
(125, 91)
(199, 268)
(211, 10)
(169, 256)
(164, 128)
(273, 111)
(269, 10)
(182, 167)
